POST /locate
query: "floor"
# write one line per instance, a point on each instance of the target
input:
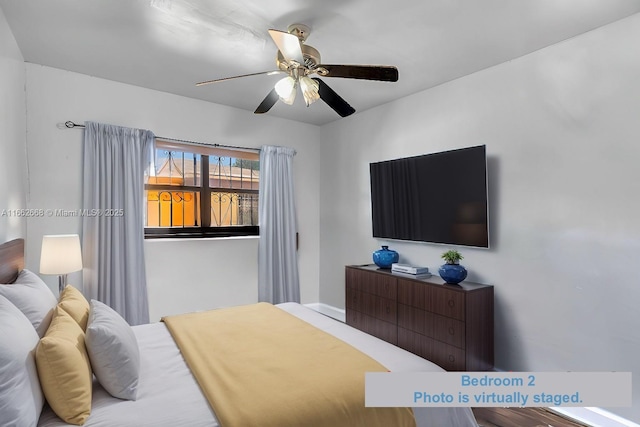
(522, 417)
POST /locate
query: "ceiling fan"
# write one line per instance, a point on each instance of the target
(300, 61)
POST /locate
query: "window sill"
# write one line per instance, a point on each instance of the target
(200, 239)
(200, 233)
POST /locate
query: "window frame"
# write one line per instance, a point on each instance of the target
(205, 230)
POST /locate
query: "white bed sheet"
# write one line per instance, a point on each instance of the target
(169, 396)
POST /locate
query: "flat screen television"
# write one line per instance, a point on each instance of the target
(436, 198)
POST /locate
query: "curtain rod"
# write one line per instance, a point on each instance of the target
(70, 125)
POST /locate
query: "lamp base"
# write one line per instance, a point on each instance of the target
(62, 283)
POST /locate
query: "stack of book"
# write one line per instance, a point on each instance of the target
(410, 270)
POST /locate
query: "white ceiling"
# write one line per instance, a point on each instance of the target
(169, 45)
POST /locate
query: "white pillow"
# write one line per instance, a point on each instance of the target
(21, 398)
(33, 297)
(113, 351)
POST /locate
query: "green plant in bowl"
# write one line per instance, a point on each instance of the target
(452, 256)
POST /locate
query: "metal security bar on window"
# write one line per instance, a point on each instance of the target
(180, 202)
(173, 208)
(233, 207)
(173, 192)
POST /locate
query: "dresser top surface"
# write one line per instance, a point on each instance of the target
(434, 279)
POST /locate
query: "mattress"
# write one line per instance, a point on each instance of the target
(169, 396)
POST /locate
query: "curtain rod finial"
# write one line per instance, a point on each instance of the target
(68, 125)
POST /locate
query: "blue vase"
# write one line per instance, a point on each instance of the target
(385, 257)
(452, 273)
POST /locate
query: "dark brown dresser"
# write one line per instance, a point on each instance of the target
(450, 325)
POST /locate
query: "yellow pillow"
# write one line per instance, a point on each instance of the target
(64, 369)
(73, 302)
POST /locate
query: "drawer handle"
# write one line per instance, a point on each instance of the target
(452, 303)
(388, 309)
(452, 331)
(452, 358)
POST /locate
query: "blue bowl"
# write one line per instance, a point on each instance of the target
(452, 273)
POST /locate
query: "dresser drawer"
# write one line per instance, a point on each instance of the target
(386, 310)
(434, 298)
(355, 279)
(385, 331)
(445, 302)
(386, 287)
(382, 285)
(361, 301)
(441, 328)
(448, 330)
(446, 356)
(415, 343)
(411, 293)
(449, 357)
(361, 321)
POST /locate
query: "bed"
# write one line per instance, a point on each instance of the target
(169, 395)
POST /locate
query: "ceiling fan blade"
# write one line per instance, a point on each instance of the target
(385, 73)
(334, 100)
(288, 45)
(268, 102)
(237, 77)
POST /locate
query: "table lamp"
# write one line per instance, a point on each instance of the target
(60, 255)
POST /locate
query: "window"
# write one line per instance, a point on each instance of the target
(202, 191)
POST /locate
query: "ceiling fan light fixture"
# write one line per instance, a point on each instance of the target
(286, 89)
(309, 89)
(299, 60)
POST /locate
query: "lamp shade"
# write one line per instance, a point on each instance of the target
(60, 254)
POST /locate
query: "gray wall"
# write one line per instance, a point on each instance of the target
(182, 275)
(13, 168)
(562, 133)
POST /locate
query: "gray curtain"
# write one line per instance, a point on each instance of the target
(277, 256)
(115, 161)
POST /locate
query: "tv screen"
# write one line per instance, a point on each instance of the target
(437, 198)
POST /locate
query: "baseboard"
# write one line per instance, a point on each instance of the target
(595, 417)
(328, 310)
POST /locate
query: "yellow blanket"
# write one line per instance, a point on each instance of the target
(260, 366)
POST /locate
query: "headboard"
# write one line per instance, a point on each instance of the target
(11, 260)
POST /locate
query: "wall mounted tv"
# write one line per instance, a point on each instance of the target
(436, 198)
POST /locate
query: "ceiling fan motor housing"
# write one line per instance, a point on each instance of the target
(299, 30)
(309, 53)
